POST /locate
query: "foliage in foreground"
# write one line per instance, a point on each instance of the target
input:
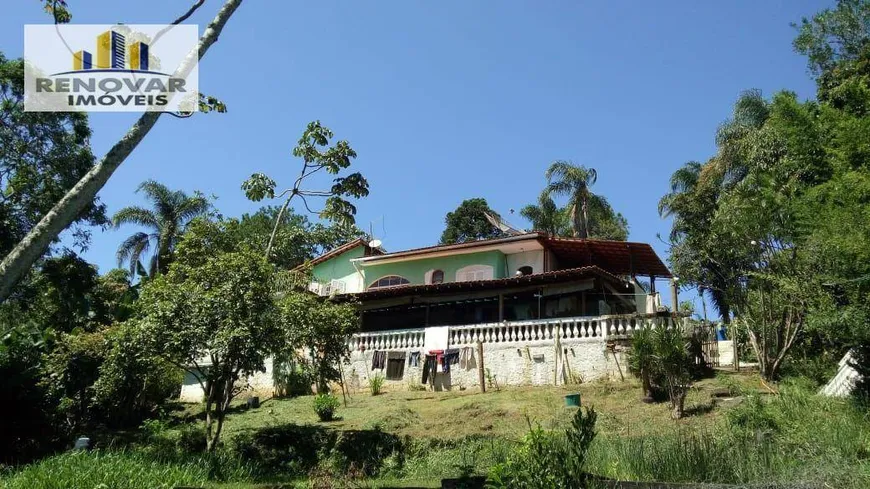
(214, 307)
(325, 406)
(107, 469)
(795, 437)
(547, 459)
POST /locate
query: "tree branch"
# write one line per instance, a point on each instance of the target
(177, 21)
(26, 252)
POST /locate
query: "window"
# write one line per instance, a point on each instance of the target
(438, 277)
(389, 281)
(527, 270)
(473, 273)
(395, 368)
(333, 287)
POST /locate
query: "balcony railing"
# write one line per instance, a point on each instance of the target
(576, 328)
(388, 340)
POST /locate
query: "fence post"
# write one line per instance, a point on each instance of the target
(480, 372)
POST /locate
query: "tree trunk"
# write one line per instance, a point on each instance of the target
(209, 402)
(24, 255)
(585, 218)
(678, 403)
(277, 223)
(647, 385)
(575, 220)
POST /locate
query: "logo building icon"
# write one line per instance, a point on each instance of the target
(112, 54)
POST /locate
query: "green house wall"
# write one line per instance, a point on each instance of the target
(415, 270)
(338, 266)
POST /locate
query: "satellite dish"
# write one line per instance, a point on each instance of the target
(375, 243)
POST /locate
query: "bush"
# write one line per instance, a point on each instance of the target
(325, 406)
(132, 384)
(294, 450)
(641, 361)
(548, 459)
(28, 429)
(69, 374)
(376, 383)
(861, 363)
(292, 376)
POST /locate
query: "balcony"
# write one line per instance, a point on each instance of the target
(531, 331)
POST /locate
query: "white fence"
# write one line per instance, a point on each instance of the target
(597, 327)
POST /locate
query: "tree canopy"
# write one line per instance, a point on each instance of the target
(468, 222)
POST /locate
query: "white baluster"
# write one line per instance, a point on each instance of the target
(598, 331)
(574, 332)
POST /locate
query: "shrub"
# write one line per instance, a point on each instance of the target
(376, 383)
(325, 406)
(294, 450)
(548, 459)
(641, 360)
(69, 374)
(132, 384)
(861, 363)
(292, 376)
(671, 351)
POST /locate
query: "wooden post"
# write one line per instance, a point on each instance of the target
(500, 307)
(736, 362)
(480, 372)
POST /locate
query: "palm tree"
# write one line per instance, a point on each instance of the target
(171, 211)
(546, 216)
(574, 181)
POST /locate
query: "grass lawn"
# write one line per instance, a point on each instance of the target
(795, 438)
(459, 414)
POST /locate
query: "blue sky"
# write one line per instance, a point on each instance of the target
(450, 100)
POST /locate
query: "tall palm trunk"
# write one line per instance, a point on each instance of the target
(16, 264)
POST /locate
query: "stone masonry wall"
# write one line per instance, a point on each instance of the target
(512, 364)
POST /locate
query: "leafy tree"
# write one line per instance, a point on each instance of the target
(321, 328)
(171, 212)
(42, 155)
(547, 217)
(604, 222)
(834, 35)
(212, 313)
(316, 153)
(297, 239)
(76, 200)
(469, 223)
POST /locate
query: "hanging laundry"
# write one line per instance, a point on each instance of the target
(466, 358)
(379, 359)
(395, 365)
(451, 357)
(430, 365)
(439, 356)
(414, 359)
